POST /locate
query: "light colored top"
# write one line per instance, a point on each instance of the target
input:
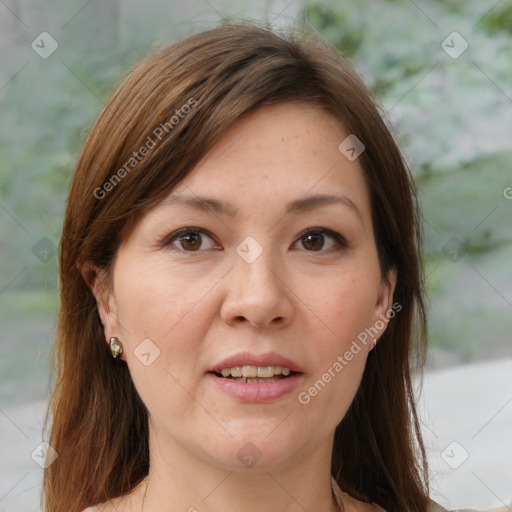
(434, 507)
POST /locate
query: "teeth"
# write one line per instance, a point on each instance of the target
(248, 380)
(235, 372)
(265, 372)
(249, 373)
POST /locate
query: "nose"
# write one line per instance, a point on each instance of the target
(257, 295)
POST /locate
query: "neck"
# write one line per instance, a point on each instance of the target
(181, 481)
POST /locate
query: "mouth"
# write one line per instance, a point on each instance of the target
(256, 378)
(256, 374)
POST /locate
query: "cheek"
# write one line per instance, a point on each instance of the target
(327, 396)
(344, 305)
(161, 303)
(164, 316)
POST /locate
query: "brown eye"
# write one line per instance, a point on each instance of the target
(313, 242)
(191, 240)
(321, 240)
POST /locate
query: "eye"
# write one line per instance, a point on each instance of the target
(321, 240)
(190, 240)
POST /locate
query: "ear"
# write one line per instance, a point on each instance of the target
(99, 282)
(384, 308)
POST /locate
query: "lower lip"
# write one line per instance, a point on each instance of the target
(257, 392)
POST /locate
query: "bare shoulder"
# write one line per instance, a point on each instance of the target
(435, 507)
(100, 508)
(351, 504)
(126, 503)
(114, 505)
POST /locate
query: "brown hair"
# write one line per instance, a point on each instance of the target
(97, 422)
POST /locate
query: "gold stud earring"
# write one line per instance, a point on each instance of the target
(116, 347)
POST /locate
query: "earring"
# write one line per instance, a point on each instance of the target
(116, 347)
(374, 342)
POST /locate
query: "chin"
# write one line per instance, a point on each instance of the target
(268, 448)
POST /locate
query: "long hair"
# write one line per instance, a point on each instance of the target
(178, 103)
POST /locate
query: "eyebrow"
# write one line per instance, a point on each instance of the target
(304, 204)
(312, 202)
(202, 203)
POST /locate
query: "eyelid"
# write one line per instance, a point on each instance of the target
(169, 239)
(339, 239)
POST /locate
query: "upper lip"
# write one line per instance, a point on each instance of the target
(248, 359)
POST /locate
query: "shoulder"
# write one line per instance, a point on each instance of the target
(435, 507)
(358, 506)
(103, 507)
(122, 503)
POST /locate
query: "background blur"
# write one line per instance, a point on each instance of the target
(442, 72)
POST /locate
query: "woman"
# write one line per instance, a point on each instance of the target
(239, 280)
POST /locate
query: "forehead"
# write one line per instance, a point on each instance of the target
(278, 151)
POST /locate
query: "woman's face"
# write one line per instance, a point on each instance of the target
(263, 257)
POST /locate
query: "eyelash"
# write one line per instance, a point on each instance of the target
(338, 239)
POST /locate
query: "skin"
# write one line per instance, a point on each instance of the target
(304, 298)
